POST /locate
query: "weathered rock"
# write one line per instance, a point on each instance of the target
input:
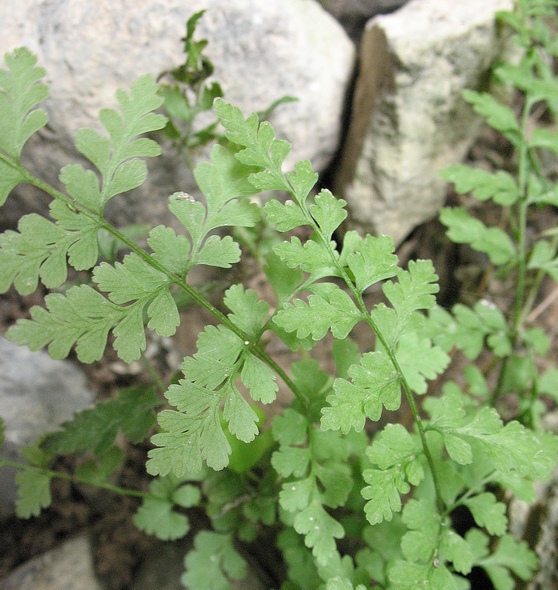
(353, 14)
(409, 120)
(37, 394)
(261, 51)
(68, 567)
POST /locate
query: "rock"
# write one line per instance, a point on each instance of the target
(68, 567)
(261, 51)
(37, 394)
(353, 14)
(409, 120)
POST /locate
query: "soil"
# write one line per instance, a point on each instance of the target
(119, 547)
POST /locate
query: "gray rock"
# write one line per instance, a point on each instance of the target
(261, 51)
(68, 567)
(409, 120)
(37, 394)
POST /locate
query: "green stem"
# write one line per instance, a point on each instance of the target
(78, 480)
(523, 205)
(173, 278)
(366, 316)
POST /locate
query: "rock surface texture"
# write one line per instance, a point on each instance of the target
(37, 394)
(261, 51)
(68, 567)
(409, 120)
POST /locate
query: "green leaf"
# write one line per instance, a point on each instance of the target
(98, 471)
(373, 261)
(312, 257)
(456, 549)
(289, 461)
(544, 138)
(81, 235)
(156, 516)
(328, 212)
(420, 360)
(339, 583)
(95, 429)
(320, 531)
(423, 521)
(383, 493)
(374, 384)
(249, 312)
(285, 217)
(117, 158)
(414, 290)
(36, 249)
(498, 116)
(289, 428)
(337, 482)
(500, 186)
(295, 495)
(241, 418)
(464, 229)
(259, 379)
(334, 311)
(395, 446)
(510, 556)
(474, 325)
(185, 442)
(20, 91)
(33, 491)
(215, 554)
(194, 433)
(417, 576)
(83, 317)
(261, 148)
(488, 513)
(170, 250)
(302, 180)
(396, 453)
(134, 280)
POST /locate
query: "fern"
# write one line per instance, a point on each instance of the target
(321, 465)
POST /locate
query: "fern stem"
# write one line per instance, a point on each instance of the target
(78, 480)
(412, 405)
(254, 348)
(366, 316)
(519, 307)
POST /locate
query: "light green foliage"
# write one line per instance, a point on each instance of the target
(39, 249)
(33, 492)
(324, 477)
(33, 483)
(194, 432)
(213, 562)
(21, 91)
(156, 515)
(509, 557)
(395, 454)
